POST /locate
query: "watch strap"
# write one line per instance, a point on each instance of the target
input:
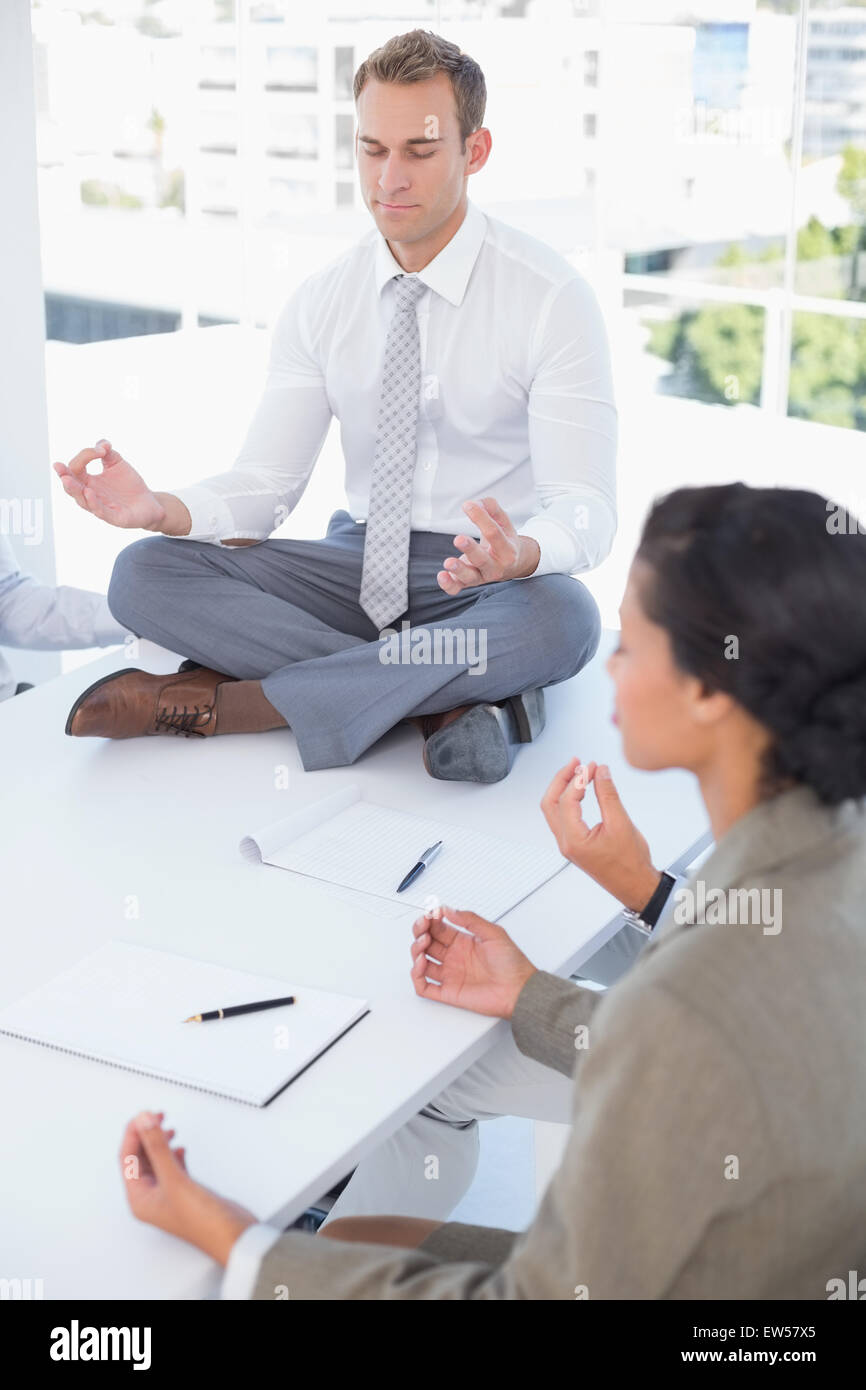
(649, 915)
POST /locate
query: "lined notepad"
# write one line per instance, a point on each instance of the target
(361, 845)
(123, 1005)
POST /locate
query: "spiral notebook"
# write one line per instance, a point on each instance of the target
(124, 1005)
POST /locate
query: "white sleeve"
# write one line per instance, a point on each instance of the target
(246, 1255)
(572, 433)
(8, 683)
(282, 444)
(40, 617)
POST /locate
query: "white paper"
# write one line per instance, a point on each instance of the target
(124, 1005)
(362, 846)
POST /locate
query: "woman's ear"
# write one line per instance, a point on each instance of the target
(711, 706)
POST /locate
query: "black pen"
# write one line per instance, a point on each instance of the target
(240, 1009)
(416, 869)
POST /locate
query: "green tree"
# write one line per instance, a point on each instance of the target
(97, 193)
(174, 190)
(851, 185)
(815, 241)
(851, 180)
(717, 354)
(828, 370)
(725, 343)
(717, 351)
(733, 256)
(666, 337)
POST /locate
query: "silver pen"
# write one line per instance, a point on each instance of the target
(426, 858)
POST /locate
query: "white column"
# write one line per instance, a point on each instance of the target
(25, 478)
(786, 318)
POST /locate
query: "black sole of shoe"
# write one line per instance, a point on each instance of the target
(481, 745)
(478, 747)
(89, 691)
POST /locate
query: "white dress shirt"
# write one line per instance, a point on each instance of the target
(516, 398)
(43, 618)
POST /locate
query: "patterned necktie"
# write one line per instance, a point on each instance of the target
(385, 577)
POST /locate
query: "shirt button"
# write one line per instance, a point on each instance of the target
(427, 466)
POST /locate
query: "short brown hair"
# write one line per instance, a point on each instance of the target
(420, 54)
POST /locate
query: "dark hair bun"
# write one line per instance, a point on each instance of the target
(828, 751)
(764, 564)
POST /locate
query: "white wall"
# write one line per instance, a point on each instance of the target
(25, 479)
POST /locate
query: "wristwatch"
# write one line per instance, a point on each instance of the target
(646, 919)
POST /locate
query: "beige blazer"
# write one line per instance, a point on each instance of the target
(718, 1141)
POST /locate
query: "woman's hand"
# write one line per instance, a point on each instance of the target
(479, 968)
(613, 852)
(161, 1192)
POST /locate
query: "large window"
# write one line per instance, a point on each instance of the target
(718, 151)
(703, 162)
(763, 216)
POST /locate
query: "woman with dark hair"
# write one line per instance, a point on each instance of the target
(718, 1144)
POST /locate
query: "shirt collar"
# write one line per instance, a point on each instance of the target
(448, 273)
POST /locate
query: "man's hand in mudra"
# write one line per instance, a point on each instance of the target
(500, 553)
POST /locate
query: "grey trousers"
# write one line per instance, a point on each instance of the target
(428, 1165)
(286, 612)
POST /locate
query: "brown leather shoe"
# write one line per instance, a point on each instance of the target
(131, 703)
(478, 743)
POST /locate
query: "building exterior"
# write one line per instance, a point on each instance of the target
(202, 168)
(835, 82)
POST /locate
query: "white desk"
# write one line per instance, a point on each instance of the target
(139, 840)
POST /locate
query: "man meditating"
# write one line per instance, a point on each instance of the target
(467, 364)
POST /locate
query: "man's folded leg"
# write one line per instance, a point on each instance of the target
(281, 639)
(238, 614)
(245, 610)
(513, 637)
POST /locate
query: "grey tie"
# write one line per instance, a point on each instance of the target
(385, 577)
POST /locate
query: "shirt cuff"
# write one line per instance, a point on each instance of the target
(246, 1256)
(210, 515)
(558, 549)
